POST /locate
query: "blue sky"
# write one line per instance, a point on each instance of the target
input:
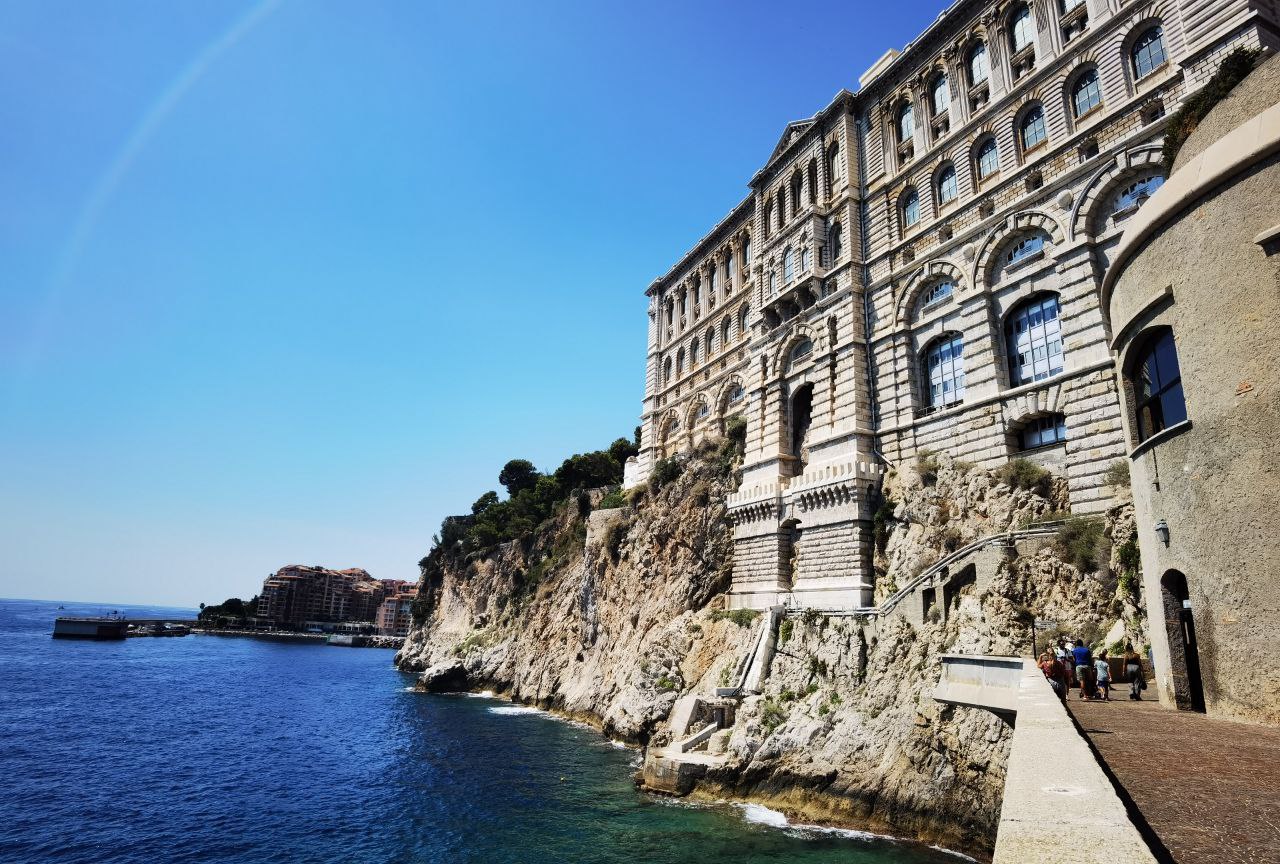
(289, 282)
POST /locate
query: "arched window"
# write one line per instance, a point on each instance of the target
(666, 371)
(834, 165)
(1022, 31)
(711, 341)
(940, 94)
(735, 395)
(671, 312)
(684, 305)
(799, 353)
(910, 208)
(1136, 194)
(726, 329)
(835, 241)
(773, 282)
(1086, 93)
(768, 217)
(1033, 334)
(742, 321)
(704, 411)
(935, 293)
(812, 187)
(728, 270)
(804, 260)
(944, 371)
(1157, 384)
(788, 265)
(693, 352)
(988, 158)
(977, 64)
(680, 362)
(1044, 431)
(906, 122)
(797, 186)
(948, 187)
(746, 252)
(1148, 51)
(1031, 130)
(711, 286)
(1024, 249)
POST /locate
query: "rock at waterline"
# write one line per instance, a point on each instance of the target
(450, 675)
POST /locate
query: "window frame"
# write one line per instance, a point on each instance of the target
(1055, 422)
(949, 349)
(1139, 46)
(947, 173)
(905, 122)
(1026, 121)
(940, 83)
(1095, 86)
(1040, 334)
(987, 142)
(1147, 348)
(978, 49)
(1021, 15)
(909, 207)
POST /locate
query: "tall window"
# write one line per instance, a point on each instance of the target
(1136, 194)
(746, 252)
(977, 63)
(936, 293)
(1148, 52)
(797, 184)
(1157, 385)
(680, 362)
(799, 353)
(788, 266)
(728, 270)
(804, 260)
(666, 371)
(944, 371)
(1086, 94)
(742, 321)
(671, 313)
(1067, 5)
(835, 241)
(1024, 249)
(988, 158)
(910, 208)
(773, 283)
(1031, 129)
(906, 123)
(1021, 29)
(711, 341)
(1043, 431)
(711, 285)
(726, 328)
(1034, 337)
(948, 188)
(940, 91)
(768, 217)
(693, 352)
(834, 165)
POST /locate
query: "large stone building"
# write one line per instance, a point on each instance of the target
(1192, 314)
(916, 267)
(297, 594)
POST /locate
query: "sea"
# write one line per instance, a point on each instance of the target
(217, 749)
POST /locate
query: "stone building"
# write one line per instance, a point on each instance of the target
(1192, 314)
(916, 267)
(296, 594)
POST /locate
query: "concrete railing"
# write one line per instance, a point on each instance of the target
(980, 681)
(1059, 807)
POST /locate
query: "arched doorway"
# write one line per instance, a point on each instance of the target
(1184, 655)
(801, 418)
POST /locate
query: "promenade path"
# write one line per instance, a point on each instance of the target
(1208, 789)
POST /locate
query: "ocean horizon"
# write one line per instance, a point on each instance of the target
(237, 750)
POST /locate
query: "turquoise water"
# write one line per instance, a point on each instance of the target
(208, 749)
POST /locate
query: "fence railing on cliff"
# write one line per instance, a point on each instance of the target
(1005, 538)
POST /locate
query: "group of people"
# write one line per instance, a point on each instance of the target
(1068, 666)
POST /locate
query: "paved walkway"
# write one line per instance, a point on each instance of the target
(1209, 789)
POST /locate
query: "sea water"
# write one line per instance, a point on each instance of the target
(217, 749)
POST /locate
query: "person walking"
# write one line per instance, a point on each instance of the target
(1084, 665)
(1104, 676)
(1062, 651)
(1133, 669)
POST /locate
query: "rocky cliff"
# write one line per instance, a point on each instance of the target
(614, 616)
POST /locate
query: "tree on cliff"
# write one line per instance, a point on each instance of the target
(517, 475)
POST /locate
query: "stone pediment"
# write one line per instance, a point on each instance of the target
(793, 131)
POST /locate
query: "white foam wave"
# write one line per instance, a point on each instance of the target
(514, 709)
(483, 694)
(762, 815)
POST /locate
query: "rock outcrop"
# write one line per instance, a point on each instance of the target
(625, 619)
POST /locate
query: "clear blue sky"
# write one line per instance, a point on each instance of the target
(289, 282)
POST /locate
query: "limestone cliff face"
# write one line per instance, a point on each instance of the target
(845, 729)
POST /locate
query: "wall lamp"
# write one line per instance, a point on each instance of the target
(1162, 532)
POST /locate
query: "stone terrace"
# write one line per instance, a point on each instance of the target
(1208, 789)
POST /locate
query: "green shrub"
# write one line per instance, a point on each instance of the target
(666, 685)
(1025, 474)
(1235, 67)
(927, 466)
(1129, 557)
(735, 429)
(772, 715)
(741, 617)
(951, 538)
(612, 500)
(1117, 473)
(665, 471)
(784, 631)
(880, 522)
(614, 534)
(1077, 543)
